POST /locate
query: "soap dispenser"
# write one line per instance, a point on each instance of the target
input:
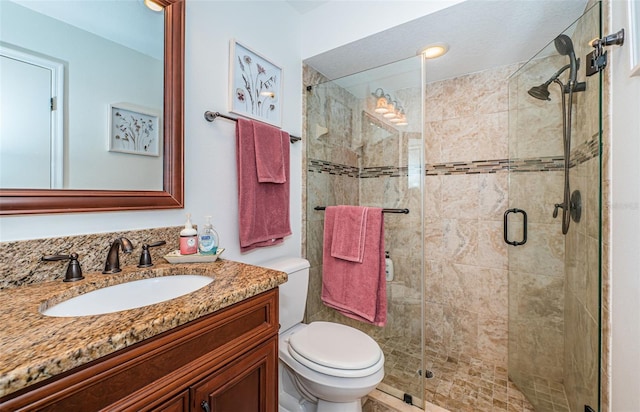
(188, 238)
(208, 238)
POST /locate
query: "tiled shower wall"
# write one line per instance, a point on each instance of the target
(466, 193)
(331, 169)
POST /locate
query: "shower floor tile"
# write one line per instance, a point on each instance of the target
(463, 384)
(401, 366)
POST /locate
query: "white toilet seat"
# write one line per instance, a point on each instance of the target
(336, 350)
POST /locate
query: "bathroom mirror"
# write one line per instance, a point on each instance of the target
(39, 201)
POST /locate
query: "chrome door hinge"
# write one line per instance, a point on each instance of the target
(53, 103)
(597, 59)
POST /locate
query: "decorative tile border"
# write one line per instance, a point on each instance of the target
(586, 151)
(322, 166)
(579, 155)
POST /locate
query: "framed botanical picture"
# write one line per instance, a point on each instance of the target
(255, 85)
(134, 129)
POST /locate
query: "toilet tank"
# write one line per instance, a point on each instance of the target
(293, 293)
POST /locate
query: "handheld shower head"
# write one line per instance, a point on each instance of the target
(564, 46)
(542, 92)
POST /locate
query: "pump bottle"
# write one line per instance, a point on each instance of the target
(188, 238)
(207, 238)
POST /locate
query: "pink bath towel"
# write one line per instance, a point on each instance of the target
(263, 208)
(349, 231)
(357, 290)
(269, 153)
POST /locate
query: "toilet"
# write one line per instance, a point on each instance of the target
(323, 366)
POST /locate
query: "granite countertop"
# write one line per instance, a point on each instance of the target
(35, 347)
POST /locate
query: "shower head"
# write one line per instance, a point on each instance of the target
(564, 45)
(542, 92)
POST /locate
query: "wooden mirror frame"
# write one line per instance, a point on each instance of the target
(32, 201)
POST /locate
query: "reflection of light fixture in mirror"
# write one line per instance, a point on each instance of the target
(268, 94)
(381, 102)
(153, 5)
(401, 119)
(391, 108)
(434, 50)
(399, 116)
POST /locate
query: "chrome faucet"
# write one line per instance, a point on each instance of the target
(112, 264)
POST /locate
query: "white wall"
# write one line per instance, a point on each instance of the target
(270, 28)
(625, 223)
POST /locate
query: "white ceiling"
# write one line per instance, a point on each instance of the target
(129, 22)
(305, 6)
(480, 33)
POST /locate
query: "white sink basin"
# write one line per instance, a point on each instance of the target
(130, 295)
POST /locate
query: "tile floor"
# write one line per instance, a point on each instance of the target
(465, 384)
(402, 362)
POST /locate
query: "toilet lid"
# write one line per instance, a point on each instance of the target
(329, 347)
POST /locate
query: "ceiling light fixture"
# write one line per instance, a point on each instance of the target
(435, 50)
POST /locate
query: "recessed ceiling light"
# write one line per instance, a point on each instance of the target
(434, 50)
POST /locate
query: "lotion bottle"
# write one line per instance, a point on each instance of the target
(207, 238)
(188, 238)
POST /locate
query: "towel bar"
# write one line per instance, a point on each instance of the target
(211, 116)
(405, 211)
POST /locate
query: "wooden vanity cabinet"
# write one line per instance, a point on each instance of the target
(228, 359)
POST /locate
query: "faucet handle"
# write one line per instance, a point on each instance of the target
(145, 257)
(74, 271)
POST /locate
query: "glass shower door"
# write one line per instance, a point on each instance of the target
(554, 278)
(357, 156)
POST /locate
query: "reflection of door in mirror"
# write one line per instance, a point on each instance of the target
(31, 121)
(104, 64)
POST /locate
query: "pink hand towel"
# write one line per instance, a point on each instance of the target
(269, 153)
(349, 231)
(357, 290)
(263, 208)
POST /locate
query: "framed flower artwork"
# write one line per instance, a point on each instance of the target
(134, 130)
(255, 85)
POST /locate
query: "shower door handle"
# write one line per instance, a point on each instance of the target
(524, 227)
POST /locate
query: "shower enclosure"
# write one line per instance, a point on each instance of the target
(554, 279)
(357, 156)
(483, 316)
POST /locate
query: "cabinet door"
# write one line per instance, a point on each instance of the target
(249, 384)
